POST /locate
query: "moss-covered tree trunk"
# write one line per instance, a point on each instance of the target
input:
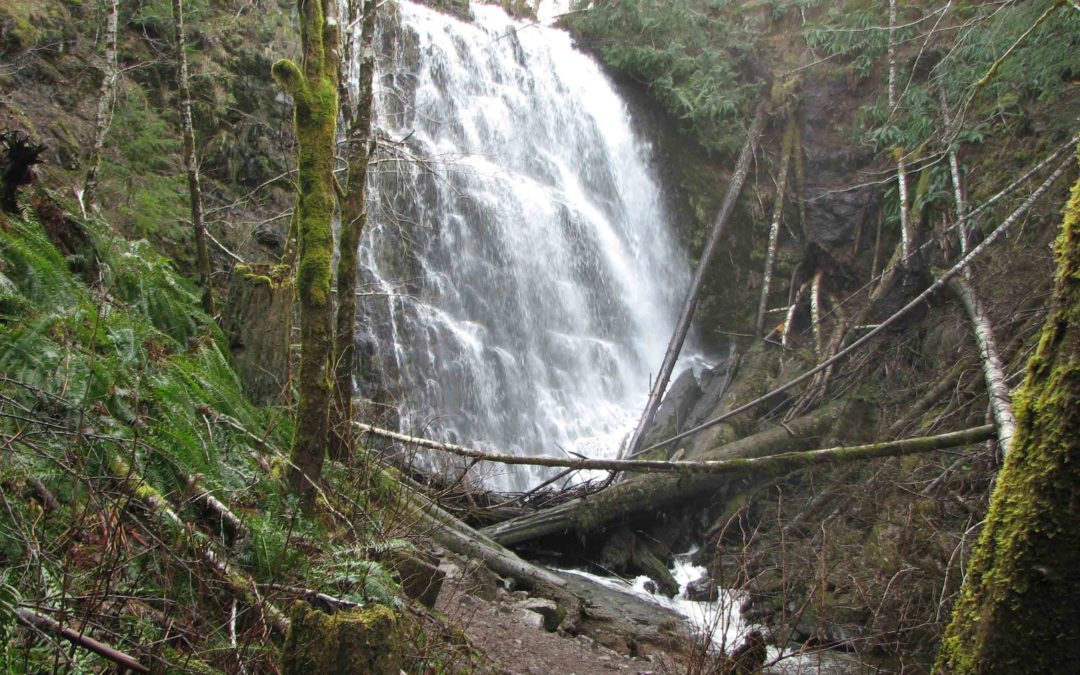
(1019, 610)
(314, 89)
(353, 220)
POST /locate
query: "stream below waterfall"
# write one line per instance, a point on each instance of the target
(720, 623)
(520, 277)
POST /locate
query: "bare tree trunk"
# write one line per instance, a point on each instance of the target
(1023, 571)
(959, 197)
(353, 220)
(815, 312)
(993, 371)
(191, 162)
(106, 100)
(789, 317)
(893, 448)
(774, 230)
(314, 90)
(682, 327)
(901, 168)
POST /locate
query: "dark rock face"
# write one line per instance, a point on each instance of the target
(692, 398)
(270, 236)
(714, 384)
(682, 394)
(832, 217)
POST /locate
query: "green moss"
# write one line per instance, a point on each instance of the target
(1016, 611)
(314, 88)
(360, 642)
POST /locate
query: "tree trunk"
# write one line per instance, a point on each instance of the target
(686, 315)
(774, 229)
(191, 162)
(901, 167)
(993, 371)
(314, 90)
(893, 448)
(106, 99)
(353, 220)
(1025, 569)
(653, 494)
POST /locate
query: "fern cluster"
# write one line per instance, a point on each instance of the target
(108, 355)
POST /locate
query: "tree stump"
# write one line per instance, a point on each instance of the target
(361, 642)
(258, 322)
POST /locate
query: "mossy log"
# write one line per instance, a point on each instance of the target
(164, 519)
(1018, 609)
(758, 465)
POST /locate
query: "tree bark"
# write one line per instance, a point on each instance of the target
(993, 370)
(314, 90)
(774, 229)
(686, 315)
(191, 162)
(1017, 610)
(106, 100)
(353, 221)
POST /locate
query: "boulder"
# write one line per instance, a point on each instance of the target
(702, 590)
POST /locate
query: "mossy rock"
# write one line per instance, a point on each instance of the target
(360, 642)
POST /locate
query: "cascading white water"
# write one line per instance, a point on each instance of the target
(525, 280)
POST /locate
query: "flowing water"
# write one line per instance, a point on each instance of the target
(521, 279)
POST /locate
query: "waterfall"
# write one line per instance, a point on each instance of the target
(520, 277)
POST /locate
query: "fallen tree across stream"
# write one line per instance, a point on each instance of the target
(769, 463)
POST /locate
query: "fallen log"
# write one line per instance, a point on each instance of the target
(652, 494)
(162, 517)
(655, 493)
(840, 453)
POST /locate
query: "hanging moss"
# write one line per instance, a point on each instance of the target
(1018, 611)
(361, 642)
